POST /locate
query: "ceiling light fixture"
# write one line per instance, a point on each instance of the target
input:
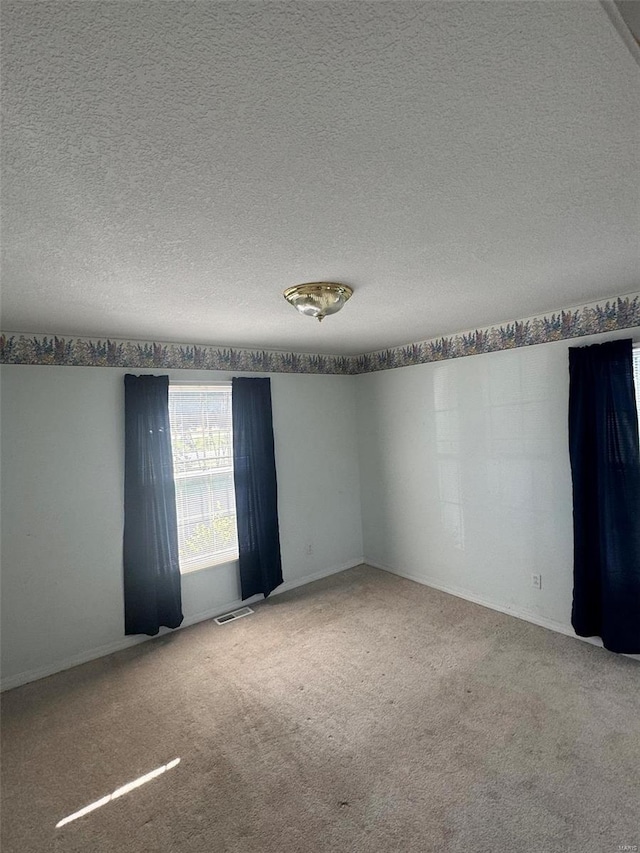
(318, 298)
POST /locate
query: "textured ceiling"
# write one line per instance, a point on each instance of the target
(170, 168)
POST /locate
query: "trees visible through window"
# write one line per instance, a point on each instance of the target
(202, 446)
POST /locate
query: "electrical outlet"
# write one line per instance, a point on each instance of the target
(309, 549)
(536, 581)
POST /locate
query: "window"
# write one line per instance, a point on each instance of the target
(636, 375)
(202, 447)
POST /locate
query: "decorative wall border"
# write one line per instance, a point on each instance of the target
(622, 312)
(18, 348)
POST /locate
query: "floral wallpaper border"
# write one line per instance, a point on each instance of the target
(84, 352)
(620, 313)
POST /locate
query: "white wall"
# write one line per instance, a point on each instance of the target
(62, 517)
(465, 477)
(455, 474)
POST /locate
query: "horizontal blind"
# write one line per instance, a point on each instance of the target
(202, 445)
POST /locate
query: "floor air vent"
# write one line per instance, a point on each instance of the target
(235, 614)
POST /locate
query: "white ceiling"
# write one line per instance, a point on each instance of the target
(170, 167)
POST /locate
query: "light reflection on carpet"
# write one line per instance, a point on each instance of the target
(119, 792)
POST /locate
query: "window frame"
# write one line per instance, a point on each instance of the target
(222, 557)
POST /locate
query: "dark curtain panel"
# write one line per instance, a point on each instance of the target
(152, 595)
(254, 473)
(605, 466)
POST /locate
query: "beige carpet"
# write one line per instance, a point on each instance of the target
(359, 713)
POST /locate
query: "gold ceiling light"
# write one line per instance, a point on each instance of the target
(318, 298)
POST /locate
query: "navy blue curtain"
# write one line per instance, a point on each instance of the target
(605, 467)
(152, 594)
(254, 474)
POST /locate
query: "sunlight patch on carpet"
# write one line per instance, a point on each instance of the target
(124, 789)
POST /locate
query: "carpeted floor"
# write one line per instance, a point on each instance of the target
(359, 713)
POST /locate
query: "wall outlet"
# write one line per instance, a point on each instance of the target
(308, 549)
(536, 581)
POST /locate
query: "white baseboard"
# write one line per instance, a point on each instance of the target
(126, 642)
(517, 612)
(67, 663)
